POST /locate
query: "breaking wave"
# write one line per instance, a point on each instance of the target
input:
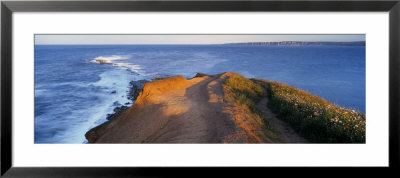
(115, 60)
(108, 59)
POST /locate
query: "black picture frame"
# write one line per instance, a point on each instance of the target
(8, 7)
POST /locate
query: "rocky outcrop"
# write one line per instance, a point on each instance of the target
(179, 110)
(200, 75)
(135, 89)
(173, 110)
(118, 111)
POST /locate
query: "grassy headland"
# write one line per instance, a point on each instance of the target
(316, 119)
(229, 108)
(243, 92)
(245, 95)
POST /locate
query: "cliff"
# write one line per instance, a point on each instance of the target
(223, 108)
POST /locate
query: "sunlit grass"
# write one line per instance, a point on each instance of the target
(242, 91)
(315, 118)
(245, 94)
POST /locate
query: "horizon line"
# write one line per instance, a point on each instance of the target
(195, 43)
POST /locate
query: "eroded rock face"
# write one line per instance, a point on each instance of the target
(118, 111)
(179, 110)
(136, 88)
(171, 110)
(95, 132)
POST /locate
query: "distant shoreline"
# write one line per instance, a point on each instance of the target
(275, 43)
(302, 43)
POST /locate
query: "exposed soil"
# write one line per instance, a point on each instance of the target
(174, 110)
(178, 110)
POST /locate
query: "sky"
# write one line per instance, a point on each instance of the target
(186, 39)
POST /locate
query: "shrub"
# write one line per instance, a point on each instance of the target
(315, 118)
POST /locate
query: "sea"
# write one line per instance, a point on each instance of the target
(74, 92)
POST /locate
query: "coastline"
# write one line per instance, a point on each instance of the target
(163, 108)
(88, 91)
(135, 87)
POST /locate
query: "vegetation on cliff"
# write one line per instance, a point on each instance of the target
(228, 108)
(245, 94)
(314, 118)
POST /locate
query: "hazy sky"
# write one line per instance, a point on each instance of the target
(185, 39)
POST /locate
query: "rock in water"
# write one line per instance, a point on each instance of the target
(118, 111)
(116, 104)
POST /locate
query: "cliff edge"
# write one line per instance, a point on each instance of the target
(179, 110)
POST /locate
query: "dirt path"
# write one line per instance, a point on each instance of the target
(286, 132)
(178, 111)
(201, 119)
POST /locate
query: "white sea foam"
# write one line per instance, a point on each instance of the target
(114, 85)
(115, 61)
(109, 59)
(40, 92)
(131, 67)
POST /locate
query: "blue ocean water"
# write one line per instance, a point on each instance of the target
(73, 93)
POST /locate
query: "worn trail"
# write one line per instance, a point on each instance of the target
(174, 111)
(285, 130)
(178, 110)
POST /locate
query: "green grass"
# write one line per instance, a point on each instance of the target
(243, 92)
(246, 94)
(314, 118)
